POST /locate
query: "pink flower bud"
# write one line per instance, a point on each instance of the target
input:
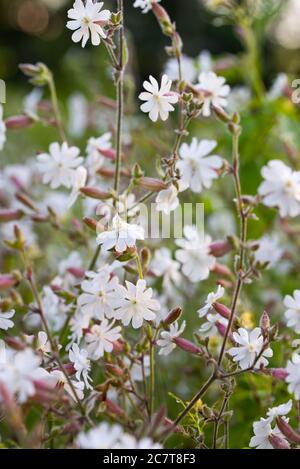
(279, 373)
(220, 248)
(95, 193)
(91, 223)
(7, 281)
(115, 370)
(173, 316)
(160, 13)
(118, 347)
(265, 321)
(69, 369)
(7, 216)
(18, 122)
(108, 153)
(278, 443)
(152, 184)
(76, 272)
(221, 328)
(223, 270)
(288, 431)
(187, 346)
(114, 408)
(222, 310)
(14, 344)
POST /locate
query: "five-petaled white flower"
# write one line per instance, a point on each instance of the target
(82, 364)
(59, 165)
(135, 304)
(167, 200)
(166, 342)
(194, 255)
(262, 433)
(88, 20)
(101, 337)
(145, 5)
(250, 346)
(5, 320)
(292, 314)
(214, 90)
(212, 298)
(159, 100)
(2, 129)
(122, 235)
(293, 377)
(197, 168)
(281, 188)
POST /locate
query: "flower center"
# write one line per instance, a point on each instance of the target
(251, 348)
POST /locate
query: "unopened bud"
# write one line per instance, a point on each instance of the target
(220, 248)
(114, 370)
(221, 114)
(160, 13)
(18, 122)
(7, 281)
(221, 269)
(113, 408)
(221, 328)
(7, 216)
(91, 223)
(118, 347)
(95, 193)
(76, 272)
(287, 430)
(145, 258)
(279, 373)
(278, 443)
(265, 321)
(25, 200)
(108, 153)
(173, 316)
(222, 310)
(152, 184)
(187, 346)
(14, 343)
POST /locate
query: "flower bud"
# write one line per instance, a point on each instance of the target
(278, 443)
(14, 344)
(222, 310)
(118, 347)
(265, 321)
(187, 346)
(279, 373)
(91, 223)
(173, 316)
(76, 272)
(25, 200)
(220, 248)
(288, 431)
(18, 122)
(108, 153)
(221, 328)
(145, 258)
(221, 269)
(7, 281)
(113, 408)
(160, 13)
(152, 184)
(95, 193)
(7, 216)
(221, 114)
(114, 370)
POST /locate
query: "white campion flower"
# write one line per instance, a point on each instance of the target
(5, 320)
(135, 304)
(212, 298)
(292, 314)
(79, 181)
(95, 160)
(279, 411)
(197, 167)
(59, 379)
(164, 266)
(100, 339)
(194, 255)
(210, 326)
(250, 345)
(121, 236)
(145, 5)
(42, 343)
(166, 341)
(262, 433)
(104, 436)
(293, 377)
(2, 129)
(269, 251)
(188, 69)
(215, 91)
(167, 200)
(59, 165)
(82, 364)
(159, 99)
(97, 299)
(78, 323)
(88, 20)
(281, 188)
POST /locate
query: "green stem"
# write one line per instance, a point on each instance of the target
(56, 110)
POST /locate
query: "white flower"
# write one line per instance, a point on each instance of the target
(58, 167)
(59, 379)
(205, 61)
(159, 100)
(280, 410)
(78, 112)
(79, 181)
(166, 342)
(5, 320)
(82, 365)
(262, 432)
(281, 188)
(123, 235)
(101, 337)
(87, 20)
(78, 323)
(72, 261)
(135, 304)
(2, 129)
(167, 200)
(280, 84)
(104, 436)
(194, 255)
(292, 314)
(145, 5)
(250, 345)
(98, 295)
(43, 344)
(188, 69)
(197, 169)
(215, 91)
(268, 252)
(164, 266)
(94, 147)
(31, 102)
(131, 442)
(210, 327)
(210, 300)
(55, 310)
(293, 378)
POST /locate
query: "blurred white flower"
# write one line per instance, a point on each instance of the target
(145, 5)
(31, 101)
(131, 442)
(2, 129)
(122, 235)
(293, 377)
(167, 200)
(197, 168)
(78, 111)
(205, 61)
(188, 69)
(215, 91)
(135, 304)
(59, 379)
(5, 320)
(280, 410)
(292, 314)
(269, 251)
(82, 365)
(281, 83)
(59, 165)
(43, 344)
(159, 99)
(88, 20)
(101, 337)
(212, 298)
(250, 345)
(95, 159)
(166, 342)
(79, 181)
(55, 309)
(78, 323)
(194, 255)
(238, 98)
(281, 188)
(164, 266)
(104, 436)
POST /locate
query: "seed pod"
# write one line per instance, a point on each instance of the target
(288, 431)
(278, 443)
(173, 316)
(187, 346)
(95, 193)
